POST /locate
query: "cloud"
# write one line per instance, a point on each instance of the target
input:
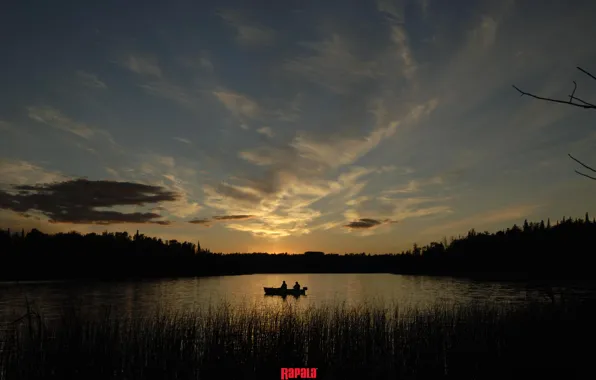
(283, 197)
(282, 205)
(53, 117)
(143, 65)
(90, 80)
(248, 33)
(394, 10)
(171, 91)
(207, 222)
(5, 126)
(240, 105)
(113, 172)
(357, 201)
(233, 217)
(166, 172)
(79, 201)
(203, 222)
(56, 119)
(464, 224)
(403, 51)
(413, 207)
(344, 151)
(367, 226)
(17, 172)
(424, 6)
(200, 61)
(415, 185)
(265, 131)
(332, 65)
(364, 223)
(183, 140)
(400, 49)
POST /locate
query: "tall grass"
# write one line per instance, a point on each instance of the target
(367, 342)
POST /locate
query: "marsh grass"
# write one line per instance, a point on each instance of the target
(367, 342)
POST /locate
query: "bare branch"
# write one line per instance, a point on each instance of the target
(585, 105)
(573, 93)
(581, 163)
(587, 73)
(583, 101)
(570, 102)
(585, 175)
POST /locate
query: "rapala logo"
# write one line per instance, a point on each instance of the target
(298, 373)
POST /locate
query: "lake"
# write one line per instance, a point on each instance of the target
(140, 298)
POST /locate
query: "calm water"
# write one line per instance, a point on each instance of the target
(140, 298)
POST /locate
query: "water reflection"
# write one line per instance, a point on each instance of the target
(140, 298)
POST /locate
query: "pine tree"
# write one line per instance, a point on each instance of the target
(548, 223)
(587, 218)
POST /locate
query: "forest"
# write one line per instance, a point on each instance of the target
(536, 250)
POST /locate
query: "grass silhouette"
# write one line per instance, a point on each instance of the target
(368, 341)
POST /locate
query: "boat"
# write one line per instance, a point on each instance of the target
(285, 292)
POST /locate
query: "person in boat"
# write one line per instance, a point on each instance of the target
(296, 286)
(284, 286)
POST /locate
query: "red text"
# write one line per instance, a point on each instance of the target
(298, 373)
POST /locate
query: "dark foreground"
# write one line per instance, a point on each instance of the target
(457, 342)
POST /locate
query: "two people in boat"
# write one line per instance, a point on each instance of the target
(284, 286)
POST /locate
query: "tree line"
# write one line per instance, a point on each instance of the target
(533, 250)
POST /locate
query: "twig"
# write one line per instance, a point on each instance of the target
(581, 163)
(585, 175)
(573, 93)
(570, 102)
(587, 73)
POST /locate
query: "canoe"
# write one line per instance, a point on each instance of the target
(287, 292)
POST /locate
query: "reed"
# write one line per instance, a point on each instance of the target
(366, 341)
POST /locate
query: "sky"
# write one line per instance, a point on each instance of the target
(287, 126)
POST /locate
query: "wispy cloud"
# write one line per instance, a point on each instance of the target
(5, 126)
(331, 64)
(393, 9)
(248, 33)
(416, 185)
(19, 172)
(183, 140)
(267, 131)
(142, 65)
(201, 61)
(167, 90)
(56, 119)
(90, 80)
(501, 215)
(240, 105)
(282, 200)
(166, 172)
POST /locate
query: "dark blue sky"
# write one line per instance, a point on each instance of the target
(280, 124)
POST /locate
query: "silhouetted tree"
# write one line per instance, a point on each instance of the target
(534, 251)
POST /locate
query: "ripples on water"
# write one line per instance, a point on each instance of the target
(142, 298)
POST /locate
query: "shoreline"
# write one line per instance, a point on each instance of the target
(509, 277)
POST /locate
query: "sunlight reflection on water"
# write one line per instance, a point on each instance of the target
(141, 298)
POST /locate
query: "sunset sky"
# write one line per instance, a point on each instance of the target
(341, 126)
